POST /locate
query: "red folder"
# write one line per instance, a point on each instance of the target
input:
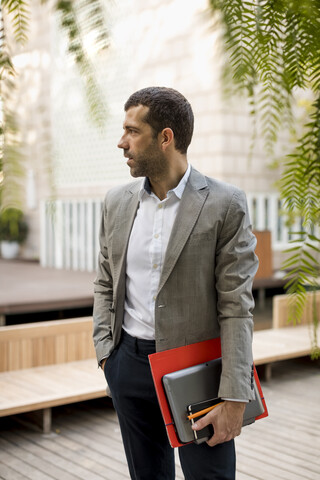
(175, 359)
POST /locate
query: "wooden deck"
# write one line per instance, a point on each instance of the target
(86, 444)
(26, 287)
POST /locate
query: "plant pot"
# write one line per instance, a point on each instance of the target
(9, 250)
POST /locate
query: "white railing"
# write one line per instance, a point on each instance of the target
(70, 234)
(267, 213)
(70, 229)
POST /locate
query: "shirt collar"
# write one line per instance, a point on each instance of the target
(178, 190)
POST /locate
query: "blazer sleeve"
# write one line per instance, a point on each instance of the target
(236, 266)
(103, 295)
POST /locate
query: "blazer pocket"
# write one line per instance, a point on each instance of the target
(200, 237)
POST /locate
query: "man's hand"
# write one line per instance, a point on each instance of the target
(103, 363)
(226, 420)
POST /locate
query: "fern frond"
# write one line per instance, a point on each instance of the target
(300, 183)
(6, 66)
(91, 17)
(276, 45)
(19, 12)
(11, 151)
(302, 272)
(13, 163)
(69, 22)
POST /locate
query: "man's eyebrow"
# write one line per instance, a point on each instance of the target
(130, 127)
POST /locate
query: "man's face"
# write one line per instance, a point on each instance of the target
(140, 147)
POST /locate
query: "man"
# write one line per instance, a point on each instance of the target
(176, 267)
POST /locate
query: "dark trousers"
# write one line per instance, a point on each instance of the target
(147, 448)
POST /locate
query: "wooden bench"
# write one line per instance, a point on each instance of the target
(284, 340)
(47, 364)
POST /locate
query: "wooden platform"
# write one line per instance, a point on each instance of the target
(26, 287)
(86, 444)
(277, 344)
(73, 381)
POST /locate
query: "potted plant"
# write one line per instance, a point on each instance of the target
(13, 231)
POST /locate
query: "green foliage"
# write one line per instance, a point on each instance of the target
(13, 227)
(92, 15)
(6, 65)
(300, 189)
(273, 51)
(302, 270)
(273, 48)
(13, 163)
(300, 183)
(92, 12)
(19, 11)
(11, 156)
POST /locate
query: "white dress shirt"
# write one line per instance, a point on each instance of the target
(146, 251)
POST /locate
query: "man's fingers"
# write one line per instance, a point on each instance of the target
(226, 421)
(200, 424)
(222, 437)
(216, 439)
(207, 419)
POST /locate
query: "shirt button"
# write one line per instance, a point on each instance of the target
(154, 297)
(156, 236)
(155, 265)
(160, 205)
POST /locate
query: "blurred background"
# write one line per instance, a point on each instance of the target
(251, 75)
(69, 116)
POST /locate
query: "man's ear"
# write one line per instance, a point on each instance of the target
(166, 138)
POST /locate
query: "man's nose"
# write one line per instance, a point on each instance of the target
(122, 143)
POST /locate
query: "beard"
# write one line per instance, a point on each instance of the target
(150, 163)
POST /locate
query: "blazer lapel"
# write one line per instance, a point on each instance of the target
(193, 198)
(123, 225)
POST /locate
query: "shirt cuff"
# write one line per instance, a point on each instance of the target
(235, 400)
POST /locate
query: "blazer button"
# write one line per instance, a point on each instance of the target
(111, 310)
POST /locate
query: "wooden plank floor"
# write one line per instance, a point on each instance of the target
(86, 444)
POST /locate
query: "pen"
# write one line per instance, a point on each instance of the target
(204, 411)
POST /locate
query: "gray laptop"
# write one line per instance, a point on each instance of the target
(192, 389)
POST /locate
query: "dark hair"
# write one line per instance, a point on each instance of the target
(167, 109)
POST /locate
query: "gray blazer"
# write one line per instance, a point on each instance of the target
(205, 288)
